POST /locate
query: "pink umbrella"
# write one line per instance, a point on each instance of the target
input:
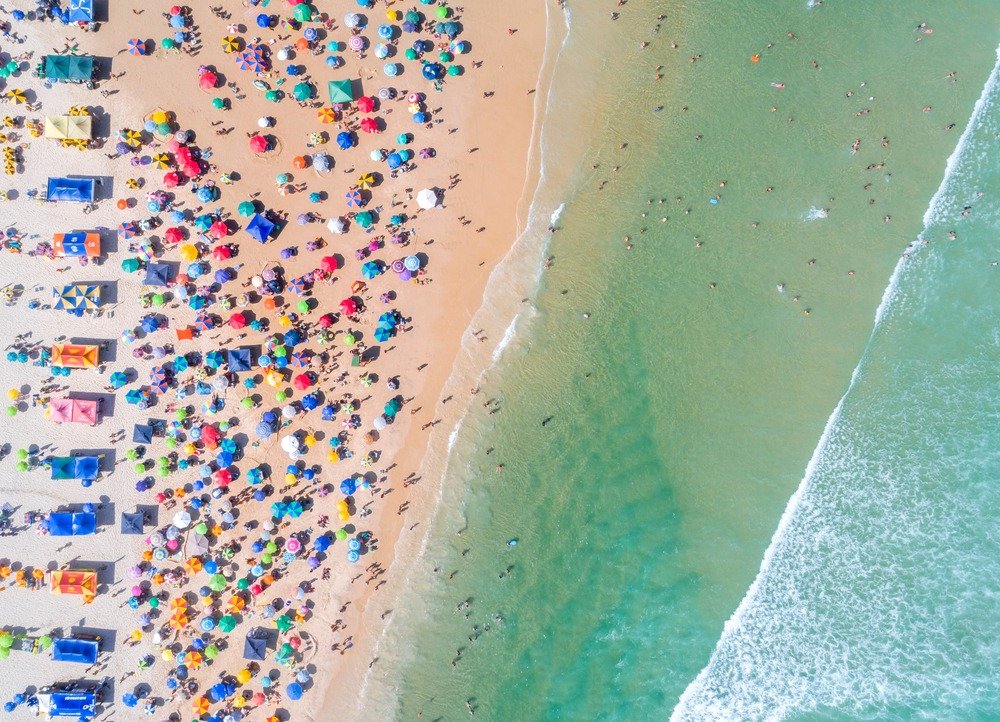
(365, 103)
(173, 235)
(172, 544)
(258, 143)
(356, 43)
(293, 545)
(171, 180)
(137, 591)
(208, 80)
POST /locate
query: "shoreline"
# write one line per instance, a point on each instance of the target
(418, 447)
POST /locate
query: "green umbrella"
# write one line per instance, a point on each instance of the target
(402, 139)
(410, 54)
(341, 534)
(266, 559)
(227, 623)
(163, 128)
(22, 466)
(302, 91)
(218, 103)
(202, 528)
(130, 265)
(280, 396)
(217, 583)
(181, 414)
(454, 70)
(140, 468)
(302, 12)
(22, 454)
(211, 651)
(341, 91)
(131, 454)
(154, 602)
(442, 11)
(272, 96)
(349, 339)
(444, 56)
(246, 209)
(11, 411)
(246, 402)
(279, 351)
(271, 547)
(243, 584)
(159, 299)
(364, 219)
(303, 306)
(170, 442)
(283, 623)
(6, 640)
(167, 43)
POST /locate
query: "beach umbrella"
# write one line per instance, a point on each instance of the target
(294, 691)
(258, 143)
(353, 198)
(302, 92)
(336, 225)
(326, 115)
(228, 623)
(432, 71)
(394, 160)
(382, 334)
(118, 379)
(427, 198)
(222, 253)
(370, 270)
(345, 140)
(364, 219)
(369, 125)
(230, 44)
(203, 222)
(246, 209)
(218, 229)
(214, 359)
(412, 263)
(136, 46)
(207, 80)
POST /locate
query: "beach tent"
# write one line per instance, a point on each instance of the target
(75, 649)
(238, 359)
(142, 434)
(80, 190)
(76, 245)
(341, 91)
(64, 523)
(81, 582)
(77, 411)
(69, 127)
(75, 355)
(69, 68)
(255, 648)
(85, 468)
(63, 703)
(259, 228)
(80, 11)
(132, 522)
(77, 297)
(157, 274)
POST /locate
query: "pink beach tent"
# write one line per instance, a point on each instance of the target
(77, 411)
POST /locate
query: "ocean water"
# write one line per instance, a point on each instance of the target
(657, 407)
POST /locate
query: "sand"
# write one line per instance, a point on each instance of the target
(492, 185)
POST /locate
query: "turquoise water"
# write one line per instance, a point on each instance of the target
(659, 406)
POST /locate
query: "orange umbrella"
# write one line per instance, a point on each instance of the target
(193, 565)
(178, 603)
(200, 705)
(193, 660)
(178, 621)
(270, 304)
(298, 162)
(235, 603)
(326, 115)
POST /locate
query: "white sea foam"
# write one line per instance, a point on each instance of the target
(783, 651)
(816, 214)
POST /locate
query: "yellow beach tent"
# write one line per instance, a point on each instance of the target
(68, 127)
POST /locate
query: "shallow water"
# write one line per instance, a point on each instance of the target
(680, 418)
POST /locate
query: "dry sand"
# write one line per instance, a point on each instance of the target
(492, 181)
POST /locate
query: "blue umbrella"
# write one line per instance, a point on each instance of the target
(420, 118)
(118, 379)
(310, 402)
(180, 36)
(177, 21)
(310, 34)
(181, 364)
(294, 509)
(130, 700)
(353, 197)
(203, 222)
(382, 334)
(370, 270)
(345, 140)
(205, 194)
(391, 69)
(214, 359)
(348, 486)
(294, 691)
(329, 413)
(385, 31)
(207, 624)
(263, 20)
(433, 71)
(149, 324)
(321, 543)
(255, 475)
(197, 302)
(387, 319)
(394, 160)
(293, 337)
(222, 275)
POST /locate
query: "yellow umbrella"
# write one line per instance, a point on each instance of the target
(161, 160)
(326, 115)
(366, 181)
(17, 95)
(189, 252)
(131, 183)
(158, 116)
(230, 44)
(132, 137)
(243, 676)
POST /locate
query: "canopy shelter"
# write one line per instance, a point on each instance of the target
(76, 245)
(81, 582)
(259, 228)
(132, 522)
(238, 359)
(79, 11)
(68, 68)
(341, 91)
(76, 705)
(256, 644)
(157, 274)
(80, 190)
(76, 649)
(75, 355)
(142, 434)
(69, 127)
(85, 468)
(64, 523)
(77, 297)
(75, 411)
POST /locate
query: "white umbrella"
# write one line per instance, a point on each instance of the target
(352, 20)
(427, 199)
(284, 53)
(377, 154)
(289, 412)
(290, 444)
(182, 520)
(219, 383)
(264, 122)
(337, 225)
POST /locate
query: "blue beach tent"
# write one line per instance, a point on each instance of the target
(75, 649)
(259, 228)
(238, 359)
(65, 523)
(80, 190)
(75, 705)
(157, 274)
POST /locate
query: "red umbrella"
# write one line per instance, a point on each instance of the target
(237, 320)
(208, 80)
(302, 382)
(223, 477)
(221, 253)
(219, 229)
(369, 125)
(326, 320)
(173, 235)
(366, 104)
(258, 143)
(192, 169)
(348, 306)
(209, 435)
(329, 264)
(171, 180)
